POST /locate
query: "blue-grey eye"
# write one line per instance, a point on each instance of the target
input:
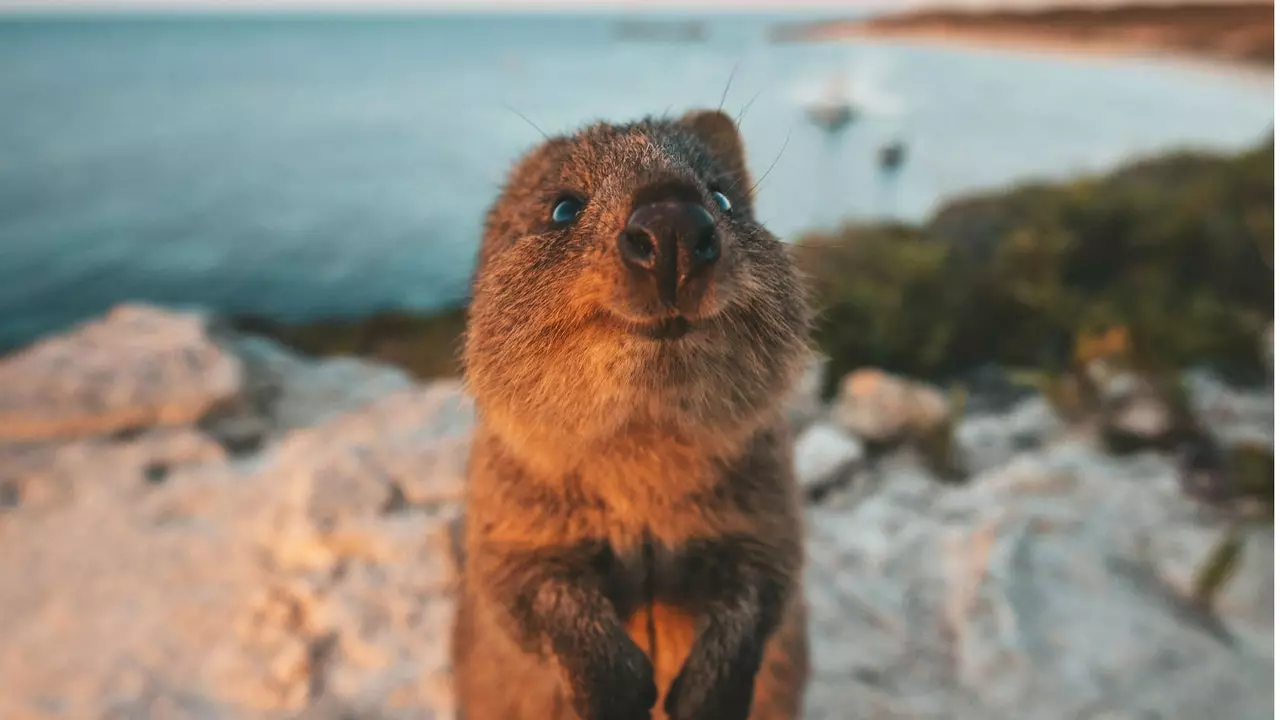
(722, 201)
(566, 209)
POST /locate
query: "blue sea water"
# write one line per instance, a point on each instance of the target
(304, 166)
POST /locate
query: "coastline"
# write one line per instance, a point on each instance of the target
(1177, 34)
(1101, 52)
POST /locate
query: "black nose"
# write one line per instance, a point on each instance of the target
(674, 240)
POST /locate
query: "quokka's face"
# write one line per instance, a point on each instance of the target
(625, 262)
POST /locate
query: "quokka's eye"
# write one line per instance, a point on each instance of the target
(721, 200)
(566, 209)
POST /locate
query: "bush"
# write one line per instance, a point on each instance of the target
(1177, 251)
(427, 346)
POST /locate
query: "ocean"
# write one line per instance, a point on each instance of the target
(315, 166)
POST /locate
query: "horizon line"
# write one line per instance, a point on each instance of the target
(36, 7)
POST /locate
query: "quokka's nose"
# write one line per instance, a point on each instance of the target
(674, 240)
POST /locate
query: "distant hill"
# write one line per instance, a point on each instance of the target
(1239, 32)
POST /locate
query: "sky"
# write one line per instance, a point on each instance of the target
(835, 6)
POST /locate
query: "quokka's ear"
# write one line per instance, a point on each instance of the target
(720, 134)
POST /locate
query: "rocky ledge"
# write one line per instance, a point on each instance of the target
(200, 524)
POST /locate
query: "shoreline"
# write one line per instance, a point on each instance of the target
(1085, 51)
(1233, 38)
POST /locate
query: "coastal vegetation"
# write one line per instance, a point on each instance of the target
(1175, 250)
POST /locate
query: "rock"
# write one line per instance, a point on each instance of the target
(1135, 414)
(1033, 422)
(1116, 386)
(157, 571)
(1109, 379)
(882, 408)
(136, 367)
(989, 440)
(237, 431)
(824, 455)
(318, 572)
(1142, 417)
(1239, 478)
(297, 392)
(283, 392)
(48, 477)
(1230, 414)
(1057, 586)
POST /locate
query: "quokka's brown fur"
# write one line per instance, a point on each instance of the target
(632, 534)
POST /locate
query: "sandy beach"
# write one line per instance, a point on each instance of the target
(1233, 36)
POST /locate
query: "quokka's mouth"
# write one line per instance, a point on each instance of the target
(660, 329)
(672, 328)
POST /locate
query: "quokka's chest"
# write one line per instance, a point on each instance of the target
(666, 635)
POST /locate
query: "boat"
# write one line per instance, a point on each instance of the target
(661, 30)
(835, 111)
(892, 155)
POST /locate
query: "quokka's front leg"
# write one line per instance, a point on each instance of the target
(553, 603)
(740, 587)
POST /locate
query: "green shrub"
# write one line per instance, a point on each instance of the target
(1176, 250)
(426, 345)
